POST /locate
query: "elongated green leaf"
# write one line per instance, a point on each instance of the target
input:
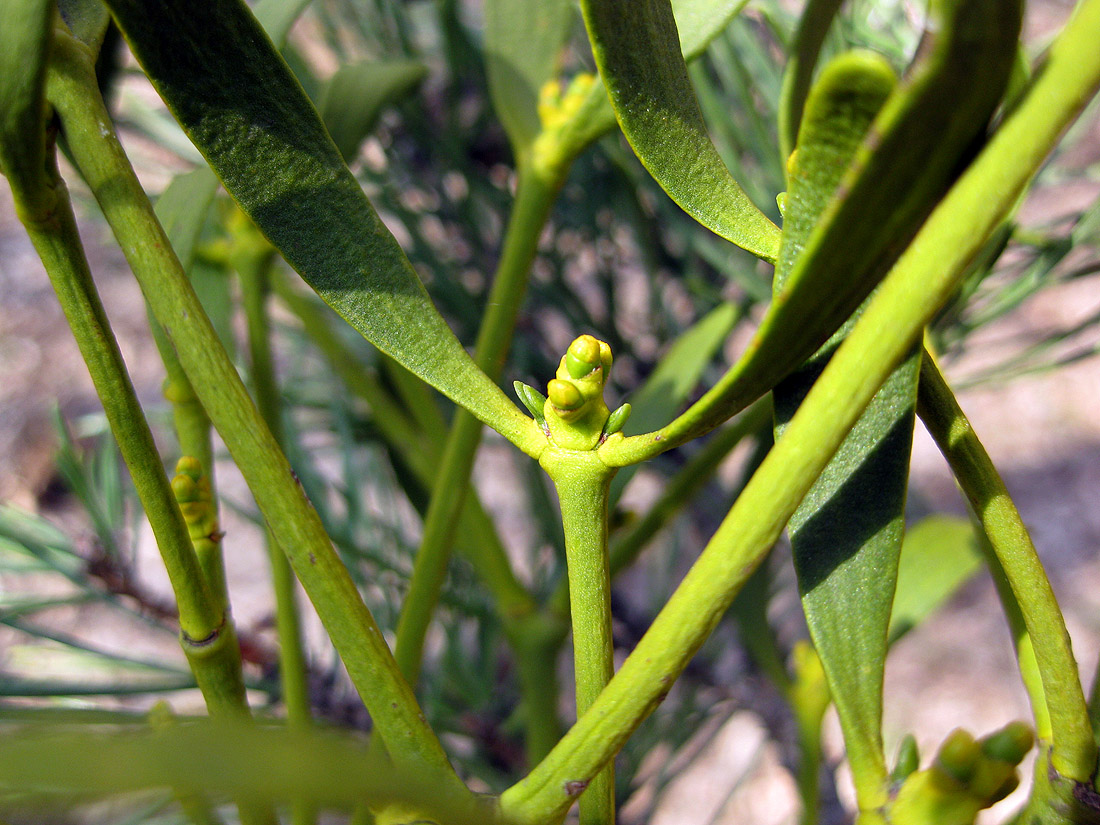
(239, 103)
(918, 143)
(938, 556)
(24, 44)
(637, 49)
(356, 95)
(523, 42)
(846, 534)
(813, 25)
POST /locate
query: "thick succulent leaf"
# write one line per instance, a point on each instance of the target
(24, 44)
(523, 42)
(637, 49)
(355, 96)
(239, 103)
(919, 142)
(698, 22)
(938, 556)
(846, 534)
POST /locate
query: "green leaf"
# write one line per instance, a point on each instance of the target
(846, 534)
(523, 43)
(355, 96)
(680, 369)
(278, 16)
(698, 22)
(675, 377)
(239, 103)
(918, 144)
(25, 27)
(813, 25)
(938, 556)
(224, 759)
(637, 49)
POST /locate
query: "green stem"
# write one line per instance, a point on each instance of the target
(1074, 751)
(58, 244)
(253, 258)
(294, 522)
(582, 482)
(921, 281)
(687, 481)
(207, 634)
(534, 198)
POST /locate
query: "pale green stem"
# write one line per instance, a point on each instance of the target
(582, 482)
(921, 281)
(253, 264)
(534, 199)
(296, 525)
(687, 481)
(1074, 751)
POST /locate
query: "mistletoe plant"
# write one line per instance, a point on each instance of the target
(894, 190)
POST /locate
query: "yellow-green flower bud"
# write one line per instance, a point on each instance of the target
(1010, 744)
(958, 756)
(583, 356)
(563, 395)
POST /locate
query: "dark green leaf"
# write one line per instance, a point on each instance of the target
(239, 103)
(846, 534)
(355, 96)
(637, 49)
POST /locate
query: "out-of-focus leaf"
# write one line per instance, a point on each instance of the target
(356, 95)
(222, 760)
(846, 534)
(237, 100)
(938, 556)
(277, 17)
(680, 369)
(675, 377)
(637, 49)
(698, 22)
(523, 42)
